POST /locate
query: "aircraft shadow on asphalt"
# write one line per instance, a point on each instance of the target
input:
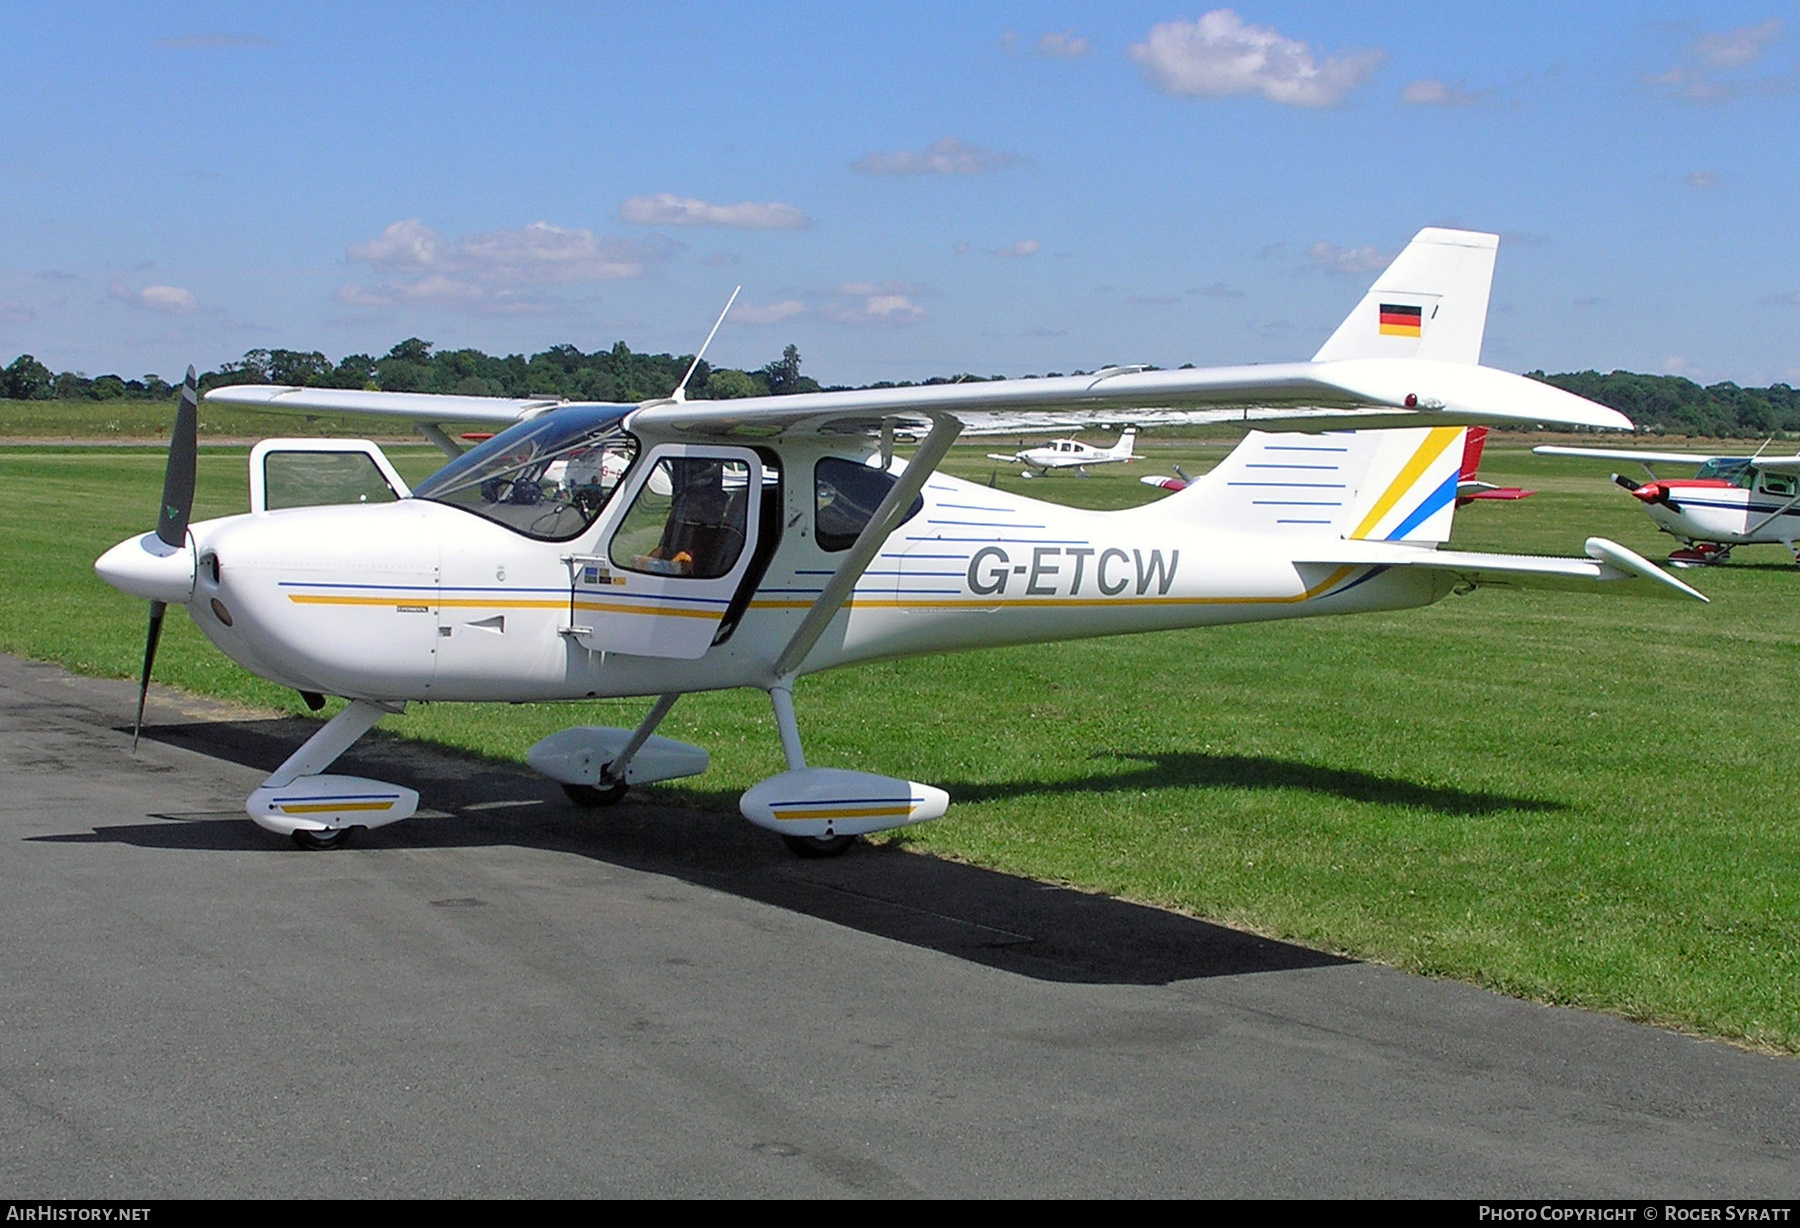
(997, 920)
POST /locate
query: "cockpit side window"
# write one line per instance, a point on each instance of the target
(845, 496)
(1782, 484)
(548, 478)
(689, 519)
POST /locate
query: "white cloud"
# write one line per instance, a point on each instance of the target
(856, 288)
(879, 309)
(667, 209)
(1220, 56)
(1675, 364)
(1737, 48)
(1024, 247)
(948, 156)
(1430, 92)
(1152, 300)
(170, 300)
(1220, 290)
(774, 313)
(1702, 179)
(1712, 71)
(487, 270)
(215, 42)
(1062, 46)
(541, 253)
(1334, 259)
(404, 244)
(887, 304)
(719, 260)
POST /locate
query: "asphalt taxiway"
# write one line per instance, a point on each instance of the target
(507, 997)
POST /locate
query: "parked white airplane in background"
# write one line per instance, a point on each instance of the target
(1069, 454)
(1730, 500)
(751, 542)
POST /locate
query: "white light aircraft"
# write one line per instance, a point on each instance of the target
(1730, 501)
(748, 543)
(1069, 454)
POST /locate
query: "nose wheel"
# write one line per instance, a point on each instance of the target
(319, 841)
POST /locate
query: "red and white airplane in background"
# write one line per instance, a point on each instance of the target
(1468, 486)
(1730, 501)
(1069, 454)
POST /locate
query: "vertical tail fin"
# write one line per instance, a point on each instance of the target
(1431, 302)
(1122, 449)
(1395, 485)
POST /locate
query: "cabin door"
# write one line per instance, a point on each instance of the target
(665, 572)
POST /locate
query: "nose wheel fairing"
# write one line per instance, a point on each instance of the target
(298, 798)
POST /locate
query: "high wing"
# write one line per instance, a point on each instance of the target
(1629, 454)
(413, 406)
(1351, 393)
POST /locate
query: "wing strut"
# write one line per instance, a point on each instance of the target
(944, 430)
(441, 438)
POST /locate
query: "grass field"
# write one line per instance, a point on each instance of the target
(1571, 798)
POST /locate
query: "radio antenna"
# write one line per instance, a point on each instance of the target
(680, 393)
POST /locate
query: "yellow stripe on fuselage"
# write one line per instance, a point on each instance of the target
(867, 603)
(477, 603)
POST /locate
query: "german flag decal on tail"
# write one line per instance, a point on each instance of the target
(1400, 321)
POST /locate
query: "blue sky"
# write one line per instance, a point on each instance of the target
(902, 190)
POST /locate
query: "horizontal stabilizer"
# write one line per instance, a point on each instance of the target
(1607, 563)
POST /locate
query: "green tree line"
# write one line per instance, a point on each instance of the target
(616, 374)
(1668, 404)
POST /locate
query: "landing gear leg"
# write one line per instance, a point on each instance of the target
(610, 789)
(317, 811)
(789, 729)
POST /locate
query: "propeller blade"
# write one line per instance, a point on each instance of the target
(178, 478)
(172, 521)
(1620, 479)
(151, 639)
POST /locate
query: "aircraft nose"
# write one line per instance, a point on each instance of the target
(1651, 492)
(150, 568)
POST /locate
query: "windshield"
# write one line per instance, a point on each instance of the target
(547, 478)
(1724, 468)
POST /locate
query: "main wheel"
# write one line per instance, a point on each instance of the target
(596, 795)
(818, 846)
(319, 841)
